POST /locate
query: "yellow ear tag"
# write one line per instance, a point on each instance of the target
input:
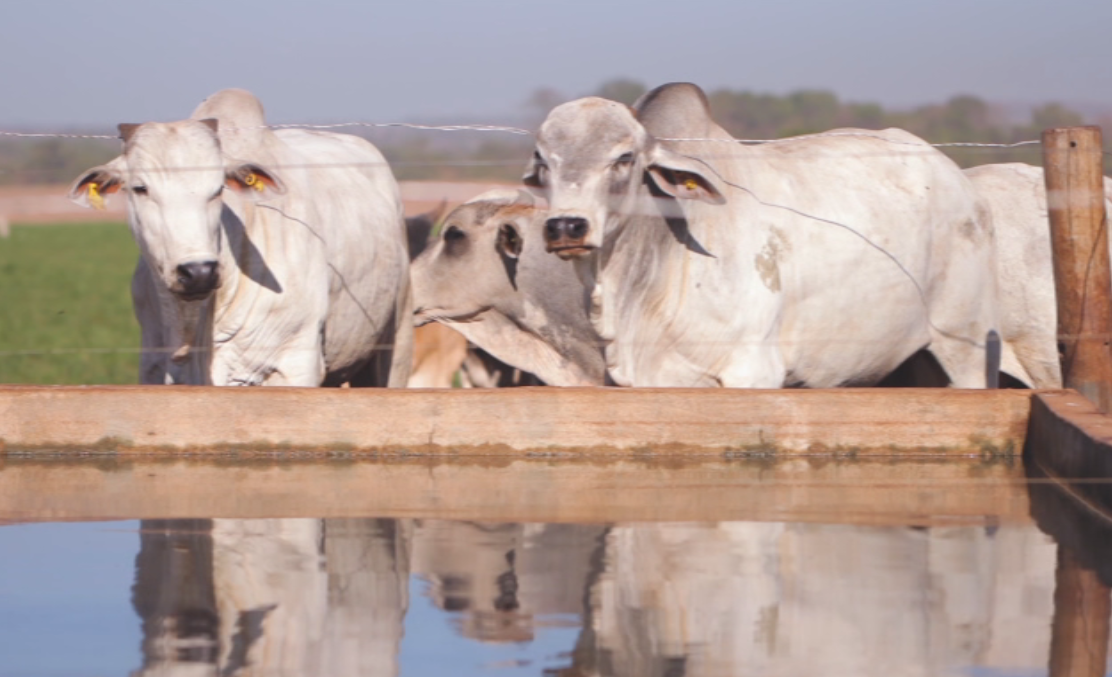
(255, 182)
(95, 198)
(690, 184)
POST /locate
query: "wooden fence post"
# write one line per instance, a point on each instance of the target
(1079, 236)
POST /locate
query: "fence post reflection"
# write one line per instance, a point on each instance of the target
(1068, 489)
(1079, 635)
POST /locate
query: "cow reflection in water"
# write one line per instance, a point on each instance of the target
(503, 580)
(686, 600)
(299, 596)
(282, 596)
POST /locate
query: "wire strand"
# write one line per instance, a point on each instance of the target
(519, 131)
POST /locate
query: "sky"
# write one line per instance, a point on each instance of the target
(94, 64)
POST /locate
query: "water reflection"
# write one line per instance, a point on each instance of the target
(283, 596)
(175, 597)
(752, 598)
(1071, 500)
(502, 579)
(330, 597)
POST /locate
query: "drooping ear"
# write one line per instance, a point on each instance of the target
(91, 188)
(127, 130)
(251, 179)
(681, 177)
(535, 171)
(509, 241)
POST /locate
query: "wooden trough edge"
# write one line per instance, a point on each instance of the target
(1069, 437)
(517, 422)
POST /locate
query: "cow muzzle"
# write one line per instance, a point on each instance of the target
(196, 280)
(566, 237)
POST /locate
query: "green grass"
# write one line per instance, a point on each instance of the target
(65, 305)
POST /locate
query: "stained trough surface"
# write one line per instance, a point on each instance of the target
(952, 572)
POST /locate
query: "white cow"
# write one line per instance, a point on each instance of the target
(1016, 192)
(296, 274)
(819, 261)
(489, 278)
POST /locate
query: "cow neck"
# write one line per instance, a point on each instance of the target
(561, 320)
(234, 255)
(190, 337)
(666, 266)
(522, 347)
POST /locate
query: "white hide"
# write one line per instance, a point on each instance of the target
(819, 261)
(314, 278)
(1016, 193)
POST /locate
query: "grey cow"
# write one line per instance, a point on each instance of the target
(488, 277)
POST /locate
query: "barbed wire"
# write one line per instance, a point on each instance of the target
(519, 131)
(53, 135)
(405, 125)
(820, 135)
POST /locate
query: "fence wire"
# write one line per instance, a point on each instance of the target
(518, 131)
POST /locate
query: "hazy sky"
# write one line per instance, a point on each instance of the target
(99, 63)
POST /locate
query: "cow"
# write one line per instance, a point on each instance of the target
(267, 257)
(441, 355)
(819, 261)
(489, 278)
(1016, 193)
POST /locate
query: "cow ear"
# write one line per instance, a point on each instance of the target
(682, 178)
(536, 173)
(253, 180)
(90, 189)
(509, 241)
(127, 130)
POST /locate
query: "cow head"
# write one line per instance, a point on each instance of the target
(174, 176)
(592, 159)
(473, 264)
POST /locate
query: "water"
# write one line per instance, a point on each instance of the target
(953, 571)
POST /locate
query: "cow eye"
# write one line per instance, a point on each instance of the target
(453, 234)
(139, 190)
(624, 159)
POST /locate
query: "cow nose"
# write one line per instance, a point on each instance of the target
(197, 278)
(565, 227)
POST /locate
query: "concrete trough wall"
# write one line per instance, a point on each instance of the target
(516, 423)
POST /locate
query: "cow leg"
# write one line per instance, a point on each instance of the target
(963, 359)
(1040, 361)
(144, 299)
(759, 367)
(1011, 365)
(298, 367)
(401, 326)
(392, 360)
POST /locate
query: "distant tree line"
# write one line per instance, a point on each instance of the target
(745, 114)
(752, 115)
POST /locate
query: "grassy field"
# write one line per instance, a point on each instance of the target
(65, 305)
